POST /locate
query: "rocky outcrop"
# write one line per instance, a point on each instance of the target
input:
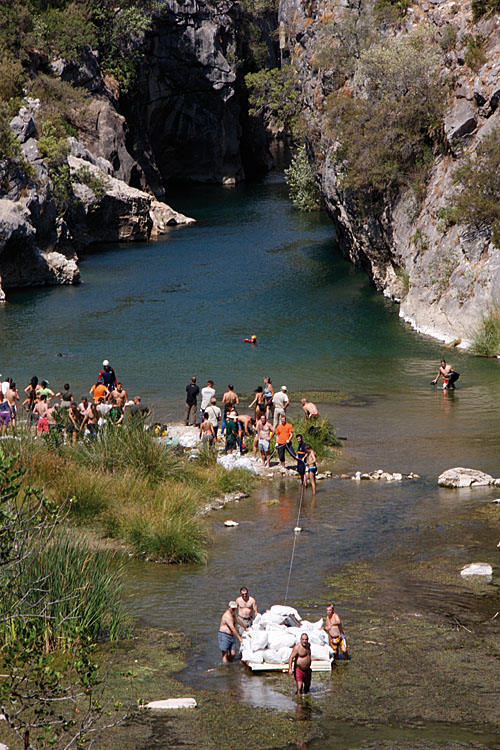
(444, 275)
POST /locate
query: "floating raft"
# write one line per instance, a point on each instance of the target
(316, 666)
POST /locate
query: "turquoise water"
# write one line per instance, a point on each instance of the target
(182, 305)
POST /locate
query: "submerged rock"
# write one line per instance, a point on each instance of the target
(460, 477)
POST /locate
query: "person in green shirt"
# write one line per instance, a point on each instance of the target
(231, 434)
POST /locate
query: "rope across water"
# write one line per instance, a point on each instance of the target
(294, 543)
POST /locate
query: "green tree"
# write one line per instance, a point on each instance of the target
(300, 179)
(275, 96)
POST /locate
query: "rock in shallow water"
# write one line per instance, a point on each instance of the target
(477, 569)
(460, 477)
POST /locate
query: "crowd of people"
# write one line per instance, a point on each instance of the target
(269, 419)
(109, 404)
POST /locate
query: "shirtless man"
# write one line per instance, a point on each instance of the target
(246, 422)
(265, 432)
(228, 634)
(309, 409)
(207, 432)
(118, 396)
(41, 409)
(447, 373)
(247, 608)
(11, 397)
(311, 468)
(299, 664)
(229, 401)
(336, 637)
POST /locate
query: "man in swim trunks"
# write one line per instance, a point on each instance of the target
(228, 634)
(247, 608)
(309, 409)
(447, 373)
(230, 399)
(336, 637)
(207, 432)
(311, 468)
(299, 664)
(41, 408)
(284, 434)
(264, 434)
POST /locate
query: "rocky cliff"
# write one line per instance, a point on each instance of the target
(445, 274)
(183, 119)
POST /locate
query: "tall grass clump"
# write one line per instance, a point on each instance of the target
(486, 338)
(129, 449)
(73, 592)
(319, 433)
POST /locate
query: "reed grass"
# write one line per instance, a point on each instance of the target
(319, 433)
(135, 489)
(66, 593)
(486, 337)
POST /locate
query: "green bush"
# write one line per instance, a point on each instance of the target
(481, 7)
(479, 177)
(11, 77)
(475, 56)
(486, 338)
(302, 186)
(391, 128)
(274, 95)
(97, 182)
(65, 32)
(319, 433)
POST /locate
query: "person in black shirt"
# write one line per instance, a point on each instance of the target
(192, 391)
(108, 375)
(301, 454)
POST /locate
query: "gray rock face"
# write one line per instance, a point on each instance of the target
(189, 111)
(122, 213)
(22, 263)
(461, 121)
(23, 125)
(460, 477)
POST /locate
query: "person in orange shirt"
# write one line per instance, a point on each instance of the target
(98, 391)
(284, 434)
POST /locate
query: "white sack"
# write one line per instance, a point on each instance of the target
(257, 657)
(232, 461)
(279, 640)
(272, 617)
(271, 656)
(258, 640)
(284, 654)
(281, 609)
(320, 653)
(256, 623)
(247, 654)
(306, 625)
(318, 636)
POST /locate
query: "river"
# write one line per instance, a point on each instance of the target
(182, 305)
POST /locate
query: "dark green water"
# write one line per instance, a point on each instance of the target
(182, 305)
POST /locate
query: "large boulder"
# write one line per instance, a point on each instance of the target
(460, 477)
(461, 121)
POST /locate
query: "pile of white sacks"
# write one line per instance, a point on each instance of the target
(274, 634)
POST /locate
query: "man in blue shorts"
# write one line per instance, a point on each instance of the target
(228, 634)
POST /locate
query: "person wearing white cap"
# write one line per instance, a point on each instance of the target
(108, 375)
(280, 402)
(228, 633)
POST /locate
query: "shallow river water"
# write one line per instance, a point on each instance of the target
(182, 305)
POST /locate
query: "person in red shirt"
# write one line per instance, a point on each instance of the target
(284, 434)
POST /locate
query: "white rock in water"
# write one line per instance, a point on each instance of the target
(231, 523)
(477, 569)
(397, 476)
(460, 477)
(172, 703)
(297, 529)
(2, 746)
(496, 501)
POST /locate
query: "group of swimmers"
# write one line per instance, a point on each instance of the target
(109, 404)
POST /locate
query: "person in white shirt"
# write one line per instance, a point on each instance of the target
(280, 402)
(207, 393)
